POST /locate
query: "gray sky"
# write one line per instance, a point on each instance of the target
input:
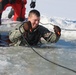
(55, 8)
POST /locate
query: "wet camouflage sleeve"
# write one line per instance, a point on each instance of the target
(15, 35)
(48, 35)
(51, 37)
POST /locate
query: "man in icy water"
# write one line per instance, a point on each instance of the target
(32, 32)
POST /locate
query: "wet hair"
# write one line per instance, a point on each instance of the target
(36, 12)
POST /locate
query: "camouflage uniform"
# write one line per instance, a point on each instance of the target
(33, 37)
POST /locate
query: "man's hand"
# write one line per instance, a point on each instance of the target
(57, 30)
(32, 4)
(27, 26)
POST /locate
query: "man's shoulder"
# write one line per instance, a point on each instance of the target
(42, 27)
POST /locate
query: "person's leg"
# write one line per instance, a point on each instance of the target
(19, 12)
(22, 15)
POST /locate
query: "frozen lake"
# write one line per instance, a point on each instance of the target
(24, 61)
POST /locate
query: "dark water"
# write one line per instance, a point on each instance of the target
(4, 38)
(66, 43)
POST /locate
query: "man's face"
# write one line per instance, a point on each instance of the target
(34, 20)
